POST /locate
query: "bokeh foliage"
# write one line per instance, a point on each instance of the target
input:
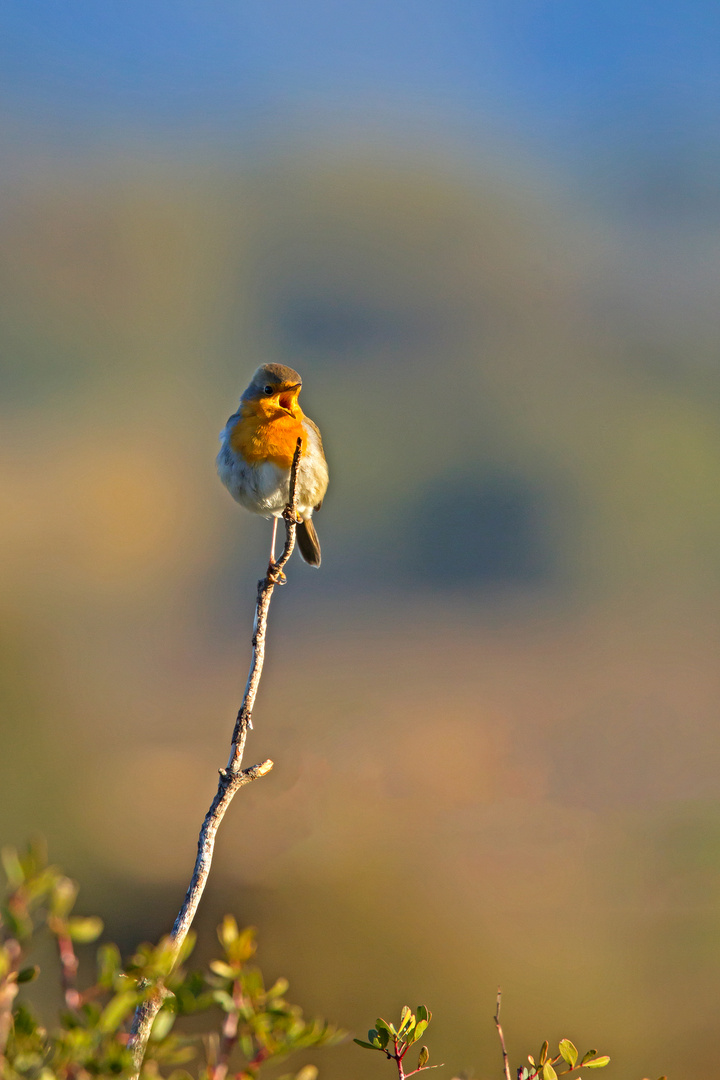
(245, 1025)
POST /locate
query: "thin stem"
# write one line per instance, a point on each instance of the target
(229, 1036)
(8, 993)
(68, 971)
(232, 777)
(398, 1057)
(506, 1062)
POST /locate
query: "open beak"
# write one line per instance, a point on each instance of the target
(287, 398)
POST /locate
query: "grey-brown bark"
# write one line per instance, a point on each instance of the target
(232, 777)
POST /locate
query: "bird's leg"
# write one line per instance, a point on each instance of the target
(276, 576)
(272, 542)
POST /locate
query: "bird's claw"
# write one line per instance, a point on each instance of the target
(275, 575)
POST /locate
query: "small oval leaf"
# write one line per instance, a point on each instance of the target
(162, 1025)
(63, 897)
(12, 867)
(569, 1052)
(85, 930)
(225, 971)
(28, 974)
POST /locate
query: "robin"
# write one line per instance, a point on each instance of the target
(257, 447)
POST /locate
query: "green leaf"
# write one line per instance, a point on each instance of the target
(239, 945)
(187, 946)
(419, 1031)
(225, 971)
(12, 867)
(109, 964)
(568, 1051)
(18, 923)
(63, 897)
(423, 1013)
(24, 1022)
(367, 1045)
(279, 987)
(406, 1019)
(228, 931)
(162, 1025)
(85, 930)
(597, 1063)
(587, 1055)
(251, 981)
(116, 1010)
(423, 1057)
(548, 1072)
(35, 858)
(543, 1053)
(374, 1037)
(382, 1025)
(223, 999)
(383, 1036)
(28, 974)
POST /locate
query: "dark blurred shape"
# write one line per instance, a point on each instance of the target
(332, 324)
(486, 527)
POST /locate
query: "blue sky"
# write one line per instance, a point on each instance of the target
(568, 70)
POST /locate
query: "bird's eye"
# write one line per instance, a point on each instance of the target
(268, 389)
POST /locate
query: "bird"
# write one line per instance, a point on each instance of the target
(257, 446)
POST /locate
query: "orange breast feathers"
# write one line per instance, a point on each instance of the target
(264, 433)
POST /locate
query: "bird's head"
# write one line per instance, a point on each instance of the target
(273, 389)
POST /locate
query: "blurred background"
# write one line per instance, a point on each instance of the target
(487, 235)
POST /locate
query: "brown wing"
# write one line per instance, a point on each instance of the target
(316, 429)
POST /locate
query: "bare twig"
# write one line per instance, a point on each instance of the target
(506, 1062)
(232, 777)
(8, 992)
(226, 1045)
(68, 971)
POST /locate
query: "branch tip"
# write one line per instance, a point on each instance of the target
(260, 770)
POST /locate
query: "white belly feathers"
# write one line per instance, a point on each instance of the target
(263, 488)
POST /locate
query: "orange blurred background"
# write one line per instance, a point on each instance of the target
(493, 712)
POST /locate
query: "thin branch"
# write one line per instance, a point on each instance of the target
(227, 1043)
(229, 1038)
(506, 1062)
(8, 993)
(68, 971)
(232, 777)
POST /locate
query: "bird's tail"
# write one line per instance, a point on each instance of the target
(307, 540)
